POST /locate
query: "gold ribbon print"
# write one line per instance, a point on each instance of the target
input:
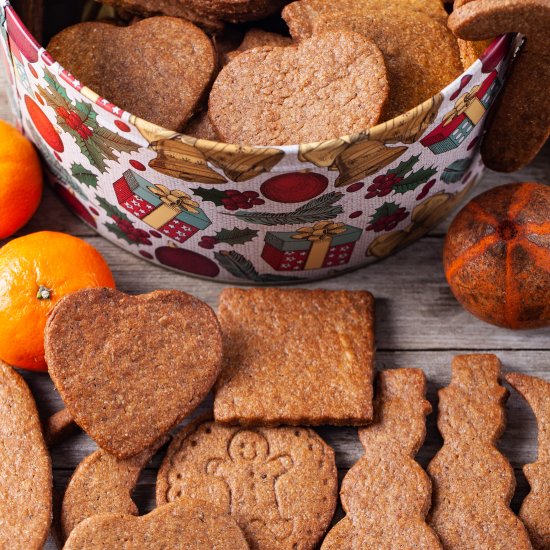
(320, 235)
(174, 203)
(469, 104)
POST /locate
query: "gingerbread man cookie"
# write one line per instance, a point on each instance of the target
(255, 475)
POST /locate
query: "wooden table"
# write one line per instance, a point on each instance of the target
(419, 324)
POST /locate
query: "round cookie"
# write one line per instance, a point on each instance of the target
(236, 11)
(297, 94)
(25, 467)
(300, 16)
(279, 484)
(421, 54)
(158, 69)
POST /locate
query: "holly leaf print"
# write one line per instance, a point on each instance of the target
(404, 167)
(240, 267)
(55, 95)
(456, 170)
(110, 209)
(236, 236)
(210, 195)
(414, 180)
(319, 209)
(83, 175)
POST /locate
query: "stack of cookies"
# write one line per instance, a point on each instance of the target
(332, 69)
(251, 472)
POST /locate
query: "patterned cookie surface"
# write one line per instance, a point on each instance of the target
(25, 467)
(473, 482)
(279, 484)
(387, 495)
(183, 525)
(170, 50)
(129, 368)
(535, 509)
(330, 85)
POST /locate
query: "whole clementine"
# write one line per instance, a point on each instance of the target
(36, 271)
(497, 256)
(21, 177)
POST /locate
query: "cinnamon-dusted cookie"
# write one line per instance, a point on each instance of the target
(25, 467)
(59, 426)
(137, 67)
(387, 495)
(299, 357)
(279, 484)
(521, 124)
(129, 368)
(256, 38)
(103, 484)
(416, 69)
(535, 510)
(237, 11)
(473, 482)
(300, 16)
(298, 93)
(182, 525)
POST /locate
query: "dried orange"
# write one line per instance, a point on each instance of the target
(36, 271)
(21, 178)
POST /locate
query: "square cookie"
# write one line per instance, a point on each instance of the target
(298, 357)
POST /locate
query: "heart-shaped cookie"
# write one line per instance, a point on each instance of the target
(129, 368)
(329, 85)
(182, 525)
(158, 69)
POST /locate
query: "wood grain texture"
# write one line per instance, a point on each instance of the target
(419, 324)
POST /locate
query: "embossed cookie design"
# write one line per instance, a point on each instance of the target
(535, 510)
(387, 495)
(25, 467)
(130, 368)
(296, 357)
(183, 525)
(473, 482)
(256, 476)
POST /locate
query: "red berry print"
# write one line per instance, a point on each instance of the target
(235, 200)
(155, 234)
(146, 254)
(94, 211)
(134, 234)
(388, 222)
(122, 126)
(355, 214)
(382, 185)
(137, 165)
(355, 187)
(208, 242)
(425, 190)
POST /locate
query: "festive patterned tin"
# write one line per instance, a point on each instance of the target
(251, 214)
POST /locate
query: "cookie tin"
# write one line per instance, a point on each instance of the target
(254, 215)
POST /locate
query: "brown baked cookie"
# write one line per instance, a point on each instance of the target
(200, 127)
(129, 368)
(521, 124)
(300, 16)
(279, 484)
(298, 357)
(158, 69)
(103, 484)
(59, 426)
(237, 11)
(298, 93)
(256, 38)
(387, 495)
(535, 510)
(25, 467)
(470, 51)
(184, 9)
(183, 525)
(416, 69)
(473, 482)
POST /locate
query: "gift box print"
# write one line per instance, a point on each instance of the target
(324, 244)
(170, 211)
(459, 123)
